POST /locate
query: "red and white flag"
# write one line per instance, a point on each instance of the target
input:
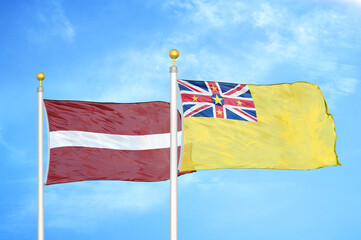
(108, 141)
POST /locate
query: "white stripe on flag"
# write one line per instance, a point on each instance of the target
(110, 141)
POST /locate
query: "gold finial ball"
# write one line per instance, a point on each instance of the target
(40, 76)
(173, 53)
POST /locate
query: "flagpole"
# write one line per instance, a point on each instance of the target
(173, 148)
(40, 76)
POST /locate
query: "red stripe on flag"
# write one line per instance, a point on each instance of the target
(238, 102)
(238, 88)
(195, 98)
(219, 111)
(213, 86)
(113, 118)
(197, 110)
(188, 86)
(73, 164)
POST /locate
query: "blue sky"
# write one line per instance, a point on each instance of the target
(118, 51)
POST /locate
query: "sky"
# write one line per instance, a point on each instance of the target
(117, 51)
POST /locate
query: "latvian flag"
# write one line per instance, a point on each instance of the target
(108, 141)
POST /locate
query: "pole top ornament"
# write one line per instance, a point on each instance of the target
(173, 54)
(40, 76)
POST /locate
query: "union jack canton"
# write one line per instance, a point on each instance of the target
(218, 100)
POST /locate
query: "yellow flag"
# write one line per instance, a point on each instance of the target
(283, 126)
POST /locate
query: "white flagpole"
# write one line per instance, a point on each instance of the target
(40, 76)
(173, 148)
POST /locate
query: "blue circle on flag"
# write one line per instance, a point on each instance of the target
(217, 99)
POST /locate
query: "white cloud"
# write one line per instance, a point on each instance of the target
(338, 87)
(135, 76)
(123, 75)
(309, 41)
(52, 22)
(304, 40)
(210, 13)
(356, 3)
(290, 38)
(348, 85)
(267, 16)
(312, 43)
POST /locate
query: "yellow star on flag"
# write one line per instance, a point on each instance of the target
(195, 99)
(214, 88)
(219, 112)
(218, 100)
(239, 103)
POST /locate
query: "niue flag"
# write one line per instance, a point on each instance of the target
(108, 141)
(281, 126)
